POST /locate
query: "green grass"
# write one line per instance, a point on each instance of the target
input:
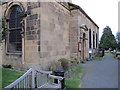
(9, 76)
(98, 58)
(0, 79)
(114, 54)
(74, 81)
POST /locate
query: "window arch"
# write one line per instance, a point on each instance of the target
(15, 28)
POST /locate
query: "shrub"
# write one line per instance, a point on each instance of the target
(55, 66)
(64, 63)
(76, 60)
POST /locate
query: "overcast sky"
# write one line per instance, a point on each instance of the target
(103, 12)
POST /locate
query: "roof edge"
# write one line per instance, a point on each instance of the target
(78, 7)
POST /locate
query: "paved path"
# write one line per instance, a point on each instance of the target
(101, 74)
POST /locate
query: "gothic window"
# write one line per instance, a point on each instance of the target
(93, 39)
(15, 28)
(96, 40)
(90, 38)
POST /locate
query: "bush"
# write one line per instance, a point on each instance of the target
(55, 66)
(64, 63)
(76, 60)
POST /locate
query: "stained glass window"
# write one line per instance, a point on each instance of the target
(15, 28)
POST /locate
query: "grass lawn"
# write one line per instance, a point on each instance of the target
(0, 79)
(74, 81)
(9, 76)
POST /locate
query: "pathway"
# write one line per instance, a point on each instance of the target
(101, 74)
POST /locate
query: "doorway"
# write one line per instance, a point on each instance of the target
(83, 45)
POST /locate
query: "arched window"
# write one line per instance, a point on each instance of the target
(93, 39)
(96, 40)
(90, 38)
(15, 28)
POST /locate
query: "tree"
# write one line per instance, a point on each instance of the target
(118, 40)
(108, 39)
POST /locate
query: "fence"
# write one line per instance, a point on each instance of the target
(36, 78)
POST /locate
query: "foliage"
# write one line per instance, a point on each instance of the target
(55, 66)
(64, 63)
(76, 60)
(9, 76)
(0, 79)
(108, 40)
(73, 82)
(75, 73)
(3, 29)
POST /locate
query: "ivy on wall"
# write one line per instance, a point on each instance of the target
(3, 28)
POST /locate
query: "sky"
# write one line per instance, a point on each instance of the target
(103, 13)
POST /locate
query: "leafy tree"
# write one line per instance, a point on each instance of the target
(108, 39)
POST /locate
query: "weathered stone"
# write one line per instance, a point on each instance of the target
(51, 32)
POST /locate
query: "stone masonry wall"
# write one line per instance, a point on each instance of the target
(32, 34)
(78, 18)
(74, 33)
(50, 33)
(46, 34)
(54, 33)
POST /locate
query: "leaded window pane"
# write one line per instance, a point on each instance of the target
(15, 28)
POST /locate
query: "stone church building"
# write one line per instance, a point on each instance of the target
(41, 32)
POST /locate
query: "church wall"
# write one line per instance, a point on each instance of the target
(50, 32)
